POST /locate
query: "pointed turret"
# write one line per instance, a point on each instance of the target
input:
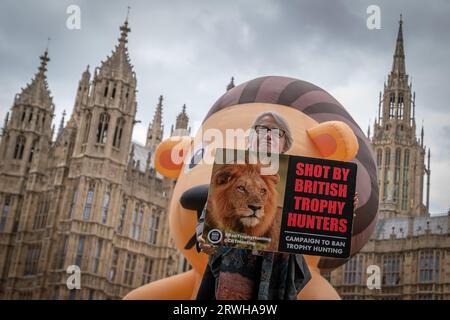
(181, 124)
(398, 65)
(155, 129)
(397, 101)
(37, 92)
(113, 91)
(61, 124)
(82, 92)
(118, 65)
(421, 136)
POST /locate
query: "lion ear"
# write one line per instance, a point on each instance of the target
(275, 178)
(335, 140)
(170, 155)
(223, 175)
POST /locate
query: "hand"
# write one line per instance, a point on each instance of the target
(355, 203)
(205, 247)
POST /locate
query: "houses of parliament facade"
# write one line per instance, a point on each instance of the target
(87, 195)
(410, 247)
(90, 197)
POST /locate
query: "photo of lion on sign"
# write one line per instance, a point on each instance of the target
(244, 201)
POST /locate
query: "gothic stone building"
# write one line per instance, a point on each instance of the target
(89, 198)
(410, 246)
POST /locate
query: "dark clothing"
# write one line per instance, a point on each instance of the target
(239, 274)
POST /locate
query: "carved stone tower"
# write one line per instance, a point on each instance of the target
(400, 155)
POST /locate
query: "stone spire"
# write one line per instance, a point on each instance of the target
(398, 65)
(82, 92)
(61, 124)
(156, 128)
(397, 102)
(118, 65)
(85, 78)
(37, 92)
(181, 124)
(400, 154)
(421, 136)
(113, 90)
(182, 119)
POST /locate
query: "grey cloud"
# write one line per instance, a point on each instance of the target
(188, 51)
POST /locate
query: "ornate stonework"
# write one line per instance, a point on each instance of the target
(410, 247)
(90, 198)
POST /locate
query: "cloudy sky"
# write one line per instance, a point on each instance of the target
(188, 50)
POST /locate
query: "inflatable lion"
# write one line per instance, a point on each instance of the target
(321, 128)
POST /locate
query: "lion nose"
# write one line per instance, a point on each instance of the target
(254, 208)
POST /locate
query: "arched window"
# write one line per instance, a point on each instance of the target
(429, 266)
(102, 129)
(138, 214)
(106, 90)
(124, 102)
(398, 153)
(118, 132)
(87, 127)
(113, 95)
(73, 202)
(153, 227)
(123, 210)
(405, 180)
(98, 252)
(42, 213)
(148, 268)
(400, 107)
(32, 150)
(387, 159)
(391, 106)
(391, 270)
(20, 145)
(105, 206)
(88, 204)
(5, 212)
(353, 270)
(379, 164)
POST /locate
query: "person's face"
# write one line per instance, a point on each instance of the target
(268, 137)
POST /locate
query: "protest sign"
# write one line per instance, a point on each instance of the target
(304, 206)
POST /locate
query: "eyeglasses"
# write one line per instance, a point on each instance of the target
(262, 130)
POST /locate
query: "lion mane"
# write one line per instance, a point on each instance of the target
(243, 200)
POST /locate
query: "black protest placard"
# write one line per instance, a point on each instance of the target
(318, 207)
(305, 206)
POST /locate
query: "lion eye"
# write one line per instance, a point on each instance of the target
(263, 191)
(241, 188)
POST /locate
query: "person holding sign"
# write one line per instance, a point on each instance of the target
(321, 128)
(233, 273)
